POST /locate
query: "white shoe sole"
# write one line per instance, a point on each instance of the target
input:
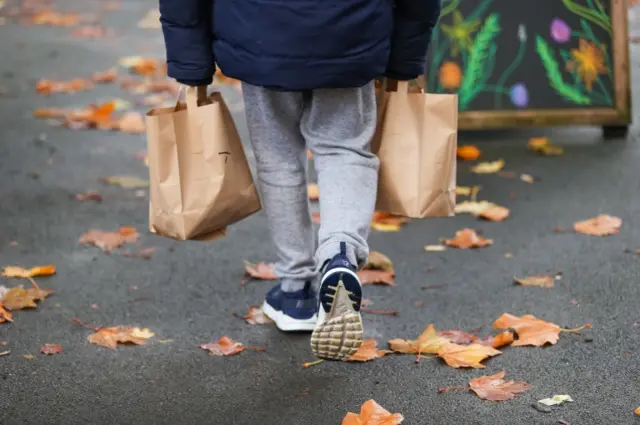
(286, 323)
(338, 333)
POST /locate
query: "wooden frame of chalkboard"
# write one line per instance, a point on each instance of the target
(569, 33)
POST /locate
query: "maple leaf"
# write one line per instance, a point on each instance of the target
(602, 225)
(458, 336)
(531, 330)
(468, 152)
(256, 316)
(543, 146)
(429, 342)
(107, 241)
(5, 316)
(127, 182)
(111, 337)
(368, 351)
(51, 348)
(379, 261)
(22, 273)
(495, 388)
(495, 213)
(488, 167)
(19, 298)
(500, 340)
(543, 281)
(373, 277)
(224, 347)
(313, 192)
(468, 238)
(384, 222)
(466, 355)
(371, 413)
(260, 271)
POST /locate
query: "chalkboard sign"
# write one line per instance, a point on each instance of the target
(533, 62)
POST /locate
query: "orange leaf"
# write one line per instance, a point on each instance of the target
(427, 343)
(256, 316)
(224, 347)
(47, 87)
(108, 76)
(110, 337)
(48, 113)
(19, 298)
(495, 213)
(500, 340)
(373, 277)
(531, 330)
(5, 316)
(49, 17)
(94, 116)
(458, 336)
(468, 152)
(132, 122)
(543, 146)
(466, 355)
(468, 238)
(51, 348)
(543, 281)
(637, 411)
(495, 388)
(379, 261)
(368, 351)
(371, 413)
(260, 271)
(107, 241)
(384, 222)
(19, 272)
(602, 225)
(143, 66)
(312, 192)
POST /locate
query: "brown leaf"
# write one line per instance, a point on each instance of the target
(260, 271)
(22, 273)
(48, 87)
(132, 122)
(312, 192)
(5, 316)
(602, 225)
(429, 342)
(371, 413)
(256, 316)
(495, 213)
(376, 277)
(466, 355)
(468, 238)
(143, 66)
(107, 241)
(19, 298)
(379, 261)
(111, 337)
(543, 281)
(224, 347)
(458, 336)
(384, 222)
(51, 348)
(531, 330)
(495, 388)
(89, 196)
(468, 152)
(543, 146)
(368, 351)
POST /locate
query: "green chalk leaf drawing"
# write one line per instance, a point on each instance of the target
(473, 74)
(555, 76)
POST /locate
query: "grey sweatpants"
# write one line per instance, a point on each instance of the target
(337, 125)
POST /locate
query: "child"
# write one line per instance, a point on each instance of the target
(307, 68)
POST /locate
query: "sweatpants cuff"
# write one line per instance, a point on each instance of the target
(328, 250)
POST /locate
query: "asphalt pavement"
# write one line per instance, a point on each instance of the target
(187, 292)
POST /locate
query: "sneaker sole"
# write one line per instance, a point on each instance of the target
(286, 323)
(338, 333)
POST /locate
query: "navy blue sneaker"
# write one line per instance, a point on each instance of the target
(292, 311)
(338, 331)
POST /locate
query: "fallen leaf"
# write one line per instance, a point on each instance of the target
(22, 273)
(108, 76)
(488, 167)
(379, 261)
(531, 330)
(107, 241)
(5, 353)
(602, 225)
(111, 337)
(495, 388)
(132, 122)
(468, 238)
(466, 355)
(468, 152)
(48, 87)
(371, 413)
(51, 348)
(435, 248)
(473, 207)
(143, 66)
(555, 400)
(126, 182)
(384, 222)
(5, 316)
(256, 316)
(458, 336)
(543, 146)
(463, 190)
(19, 298)
(91, 31)
(49, 113)
(55, 19)
(29, 356)
(93, 116)
(143, 254)
(368, 351)
(224, 347)
(429, 342)
(312, 192)
(543, 281)
(500, 340)
(637, 411)
(260, 271)
(527, 178)
(151, 20)
(89, 196)
(495, 213)
(373, 277)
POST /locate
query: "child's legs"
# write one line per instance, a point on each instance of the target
(338, 126)
(274, 128)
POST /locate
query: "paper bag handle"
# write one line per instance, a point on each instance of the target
(193, 95)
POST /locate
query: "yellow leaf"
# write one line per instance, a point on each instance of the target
(429, 342)
(543, 146)
(19, 272)
(466, 355)
(474, 208)
(488, 167)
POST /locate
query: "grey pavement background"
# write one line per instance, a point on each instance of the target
(188, 291)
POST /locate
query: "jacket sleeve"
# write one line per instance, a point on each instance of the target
(188, 37)
(413, 23)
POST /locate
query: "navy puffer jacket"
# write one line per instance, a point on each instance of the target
(297, 44)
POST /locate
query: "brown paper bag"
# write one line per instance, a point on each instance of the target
(416, 143)
(199, 176)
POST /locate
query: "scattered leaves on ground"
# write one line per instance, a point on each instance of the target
(368, 351)
(260, 271)
(313, 192)
(531, 330)
(495, 388)
(543, 146)
(111, 337)
(384, 222)
(108, 241)
(541, 280)
(371, 413)
(51, 348)
(468, 152)
(468, 238)
(256, 316)
(89, 196)
(495, 213)
(22, 273)
(602, 225)
(224, 347)
(488, 167)
(429, 342)
(127, 182)
(555, 400)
